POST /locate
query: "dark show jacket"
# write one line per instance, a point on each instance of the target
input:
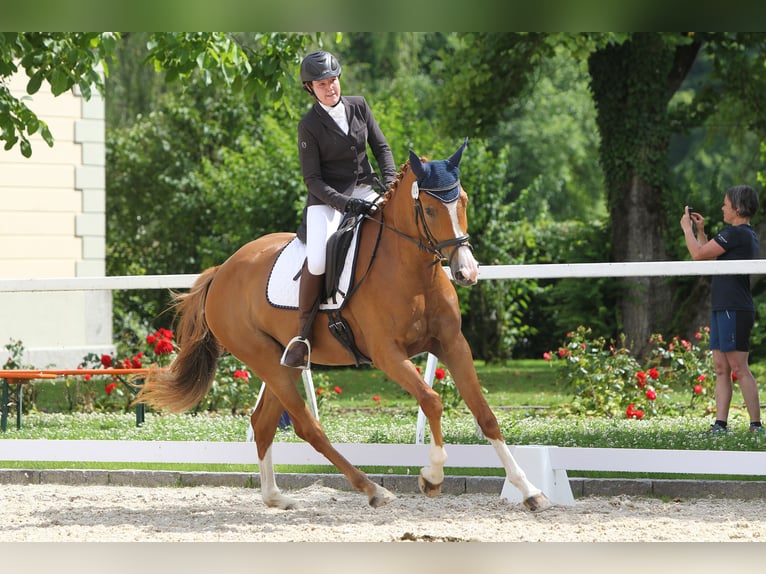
(333, 163)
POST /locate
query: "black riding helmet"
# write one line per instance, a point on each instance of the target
(318, 65)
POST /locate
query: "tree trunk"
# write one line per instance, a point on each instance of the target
(632, 84)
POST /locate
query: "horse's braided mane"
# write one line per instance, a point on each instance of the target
(395, 184)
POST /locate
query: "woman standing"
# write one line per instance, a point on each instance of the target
(733, 313)
(333, 138)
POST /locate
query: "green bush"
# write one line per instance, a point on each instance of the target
(606, 380)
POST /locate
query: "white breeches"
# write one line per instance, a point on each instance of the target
(321, 222)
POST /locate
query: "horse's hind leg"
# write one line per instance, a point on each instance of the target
(285, 395)
(467, 381)
(264, 421)
(309, 429)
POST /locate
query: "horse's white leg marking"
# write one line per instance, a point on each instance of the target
(465, 259)
(435, 472)
(513, 471)
(270, 492)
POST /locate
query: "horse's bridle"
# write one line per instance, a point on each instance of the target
(431, 244)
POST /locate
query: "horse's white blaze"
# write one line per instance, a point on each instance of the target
(466, 263)
(435, 473)
(513, 472)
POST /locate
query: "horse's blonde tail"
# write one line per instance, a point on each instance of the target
(191, 374)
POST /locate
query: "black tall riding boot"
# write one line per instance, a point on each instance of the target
(298, 351)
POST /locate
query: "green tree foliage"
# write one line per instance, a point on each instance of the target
(193, 181)
(257, 64)
(63, 60)
(633, 79)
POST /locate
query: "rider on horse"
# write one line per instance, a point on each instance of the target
(332, 141)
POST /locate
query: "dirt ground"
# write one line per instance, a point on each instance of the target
(89, 513)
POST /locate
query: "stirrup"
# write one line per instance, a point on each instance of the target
(307, 365)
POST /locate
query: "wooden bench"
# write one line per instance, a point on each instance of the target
(18, 377)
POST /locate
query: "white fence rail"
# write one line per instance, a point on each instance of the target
(543, 271)
(552, 461)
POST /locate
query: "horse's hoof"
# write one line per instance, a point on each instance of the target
(281, 502)
(537, 503)
(380, 497)
(428, 488)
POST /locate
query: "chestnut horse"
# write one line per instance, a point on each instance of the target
(403, 305)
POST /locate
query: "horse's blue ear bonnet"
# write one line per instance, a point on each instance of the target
(441, 178)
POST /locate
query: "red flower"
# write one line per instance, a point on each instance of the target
(641, 378)
(163, 347)
(697, 335)
(733, 376)
(654, 373)
(638, 414)
(440, 374)
(110, 387)
(562, 352)
(135, 362)
(701, 378)
(320, 391)
(241, 374)
(651, 395)
(86, 377)
(376, 398)
(697, 389)
(106, 361)
(547, 356)
(338, 390)
(633, 413)
(151, 339)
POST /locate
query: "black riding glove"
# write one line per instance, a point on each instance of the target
(357, 206)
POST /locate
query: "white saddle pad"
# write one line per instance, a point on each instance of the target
(284, 282)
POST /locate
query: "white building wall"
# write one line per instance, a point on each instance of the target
(53, 224)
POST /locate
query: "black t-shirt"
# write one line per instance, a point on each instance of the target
(732, 292)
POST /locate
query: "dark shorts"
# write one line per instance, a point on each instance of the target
(730, 330)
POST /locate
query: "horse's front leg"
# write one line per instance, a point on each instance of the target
(459, 361)
(403, 371)
(432, 477)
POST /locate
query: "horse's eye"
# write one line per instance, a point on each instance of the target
(430, 212)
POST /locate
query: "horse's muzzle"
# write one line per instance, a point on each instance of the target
(465, 269)
(464, 281)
